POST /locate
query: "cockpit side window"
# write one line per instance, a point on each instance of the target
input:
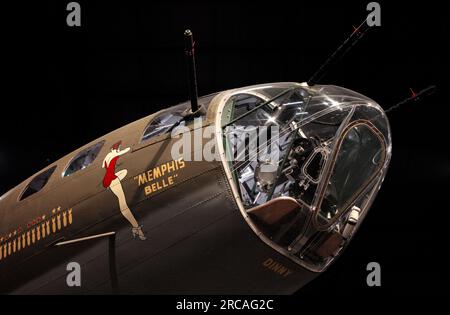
(37, 183)
(83, 159)
(173, 117)
(361, 154)
(163, 123)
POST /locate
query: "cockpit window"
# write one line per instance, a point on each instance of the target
(164, 122)
(37, 183)
(172, 117)
(83, 159)
(361, 154)
(313, 166)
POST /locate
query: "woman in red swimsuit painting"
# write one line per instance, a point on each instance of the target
(112, 180)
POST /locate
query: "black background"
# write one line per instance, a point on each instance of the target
(64, 87)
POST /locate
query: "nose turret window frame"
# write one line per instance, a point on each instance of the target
(167, 120)
(322, 223)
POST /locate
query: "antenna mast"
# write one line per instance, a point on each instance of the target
(192, 76)
(340, 52)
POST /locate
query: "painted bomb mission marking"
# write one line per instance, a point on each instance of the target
(35, 231)
(160, 176)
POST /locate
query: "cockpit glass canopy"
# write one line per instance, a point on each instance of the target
(172, 117)
(324, 148)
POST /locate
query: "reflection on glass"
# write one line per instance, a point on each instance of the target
(83, 159)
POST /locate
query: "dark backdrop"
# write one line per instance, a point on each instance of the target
(66, 86)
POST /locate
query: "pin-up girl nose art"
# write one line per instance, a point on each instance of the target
(112, 180)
